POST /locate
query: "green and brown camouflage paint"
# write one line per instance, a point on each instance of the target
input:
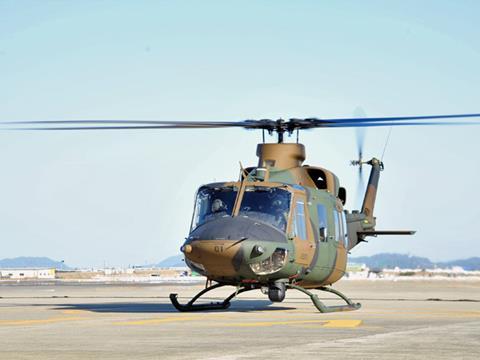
(224, 256)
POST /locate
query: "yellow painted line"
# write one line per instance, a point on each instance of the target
(416, 311)
(325, 323)
(73, 312)
(273, 323)
(423, 314)
(39, 321)
(154, 321)
(342, 323)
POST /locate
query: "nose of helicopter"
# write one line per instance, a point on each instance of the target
(220, 248)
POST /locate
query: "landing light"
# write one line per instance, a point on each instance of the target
(186, 249)
(257, 251)
(194, 265)
(271, 264)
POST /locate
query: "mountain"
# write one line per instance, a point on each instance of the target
(390, 261)
(32, 262)
(172, 261)
(381, 261)
(467, 264)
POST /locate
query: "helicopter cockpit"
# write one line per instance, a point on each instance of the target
(266, 204)
(213, 202)
(270, 205)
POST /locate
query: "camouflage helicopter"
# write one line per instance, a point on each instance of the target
(282, 225)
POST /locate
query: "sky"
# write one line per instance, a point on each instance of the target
(126, 197)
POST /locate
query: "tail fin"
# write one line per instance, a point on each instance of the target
(371, 193)
(362, 224)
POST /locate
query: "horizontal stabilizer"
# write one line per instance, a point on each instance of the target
(385, 232)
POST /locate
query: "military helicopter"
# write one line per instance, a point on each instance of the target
(282, 225)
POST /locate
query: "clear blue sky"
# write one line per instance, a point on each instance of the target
(127, 197)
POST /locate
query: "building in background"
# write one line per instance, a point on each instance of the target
(27, 273)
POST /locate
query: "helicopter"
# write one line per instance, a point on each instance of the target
(282, 225)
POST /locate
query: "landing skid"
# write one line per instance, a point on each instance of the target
(222, 305)
(350, 306)
(225, 304)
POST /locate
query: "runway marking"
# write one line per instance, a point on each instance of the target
(423, 314)
(342, 323)
(326, 323)
(73, 312)
(39, 321)
(154, 321)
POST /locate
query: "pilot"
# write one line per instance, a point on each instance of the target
(218, 205)
(280, 214)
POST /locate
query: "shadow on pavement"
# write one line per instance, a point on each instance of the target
(128, 307)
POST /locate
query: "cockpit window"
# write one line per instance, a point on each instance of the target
(212, 203)
(266, 204)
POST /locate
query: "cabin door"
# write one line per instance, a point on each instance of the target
(301, 232)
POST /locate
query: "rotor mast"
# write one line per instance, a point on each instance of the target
(280, 136)
(280, 126)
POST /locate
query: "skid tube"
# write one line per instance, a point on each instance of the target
(350, 306)
(219, 305)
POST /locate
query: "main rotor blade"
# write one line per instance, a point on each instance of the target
(388, 123)
(399, 118)
(135, 123)
(279, 126)
(247, 126)
(126, 127)
(312, 123)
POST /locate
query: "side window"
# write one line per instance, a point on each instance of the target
(299, 226)
(345, 230)
(338, 227)
(322, 222)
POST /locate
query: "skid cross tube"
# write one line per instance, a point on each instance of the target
(220, 305)
(321, 306)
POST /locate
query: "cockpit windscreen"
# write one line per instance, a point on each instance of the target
(266, 204)
(212, 203)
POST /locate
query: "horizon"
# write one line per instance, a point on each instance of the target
(106, 265)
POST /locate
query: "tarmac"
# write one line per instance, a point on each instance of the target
(422, 319)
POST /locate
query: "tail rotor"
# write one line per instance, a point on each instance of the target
(360, 137)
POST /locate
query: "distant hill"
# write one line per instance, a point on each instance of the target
(390, 261)
(172, 261)
(402, 261)
(32, 262)
(381, 261)
(467, 264)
